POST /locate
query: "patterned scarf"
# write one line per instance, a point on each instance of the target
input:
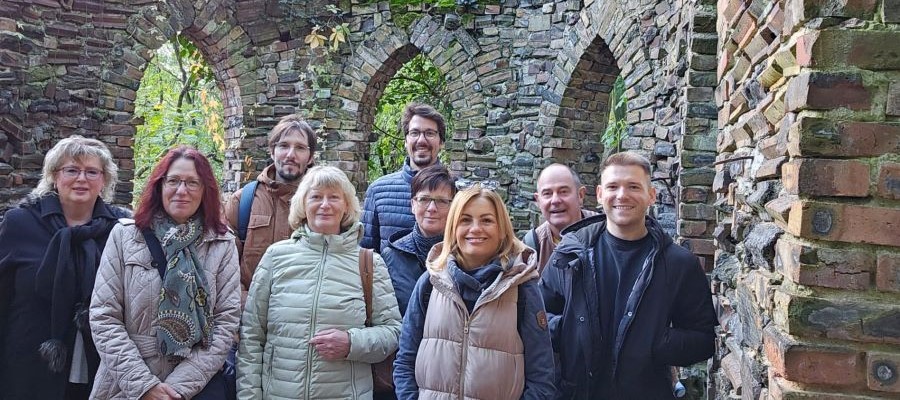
(424, 244)
(184, 314)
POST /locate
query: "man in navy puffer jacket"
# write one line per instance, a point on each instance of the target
(387, 209)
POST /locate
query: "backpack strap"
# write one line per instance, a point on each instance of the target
(244, 206)
(366, 274)
(535, 244)
(159, 258)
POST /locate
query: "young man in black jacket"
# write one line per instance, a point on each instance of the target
(623, 302)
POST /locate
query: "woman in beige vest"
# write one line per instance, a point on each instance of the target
(475, 327)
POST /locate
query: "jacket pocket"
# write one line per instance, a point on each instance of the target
(268, 361)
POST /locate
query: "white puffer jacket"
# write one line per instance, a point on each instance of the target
(304, 285)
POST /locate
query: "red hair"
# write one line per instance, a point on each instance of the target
(151, 200)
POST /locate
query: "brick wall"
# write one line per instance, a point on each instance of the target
(808, 222)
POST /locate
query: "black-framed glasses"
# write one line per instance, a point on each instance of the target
(463, 184)
(429, 134)
(439, 203)
(173, 183)
(73, 172)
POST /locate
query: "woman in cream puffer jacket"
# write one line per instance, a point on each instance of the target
(303, 333)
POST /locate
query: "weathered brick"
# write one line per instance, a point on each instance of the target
(887, 275)
(815, 364)
(845, 222)
(863, 9)
(825, 267)
(840, 317)
(812, 136)
(891, 11)
(889, 181)
(822, 177)
(827, 91)
(872, 50)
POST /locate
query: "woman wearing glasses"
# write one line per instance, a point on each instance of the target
(475, 326)
(166, 302)
(50, 247)
(432, 191)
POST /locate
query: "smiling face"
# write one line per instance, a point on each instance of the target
(292, 156)
(478, 233)
(559, 198)
(430, 207)
(423, 148)
(325, 209)
(79, 183)
(182, 190)
(626, 194)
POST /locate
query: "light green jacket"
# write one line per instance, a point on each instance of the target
(304, 285)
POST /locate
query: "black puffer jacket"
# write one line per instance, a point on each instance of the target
(669, 317)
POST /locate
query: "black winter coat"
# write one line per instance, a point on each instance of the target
(404, 266)
(669, 318)
(24, 322)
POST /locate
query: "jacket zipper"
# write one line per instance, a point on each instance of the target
(465, 347)
(312, 322)
(618, 348)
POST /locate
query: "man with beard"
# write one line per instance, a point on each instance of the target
(387, 204)
(560, 197)
(292, 144)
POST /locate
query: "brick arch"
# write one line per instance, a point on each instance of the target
(225, 46)
(375, 61)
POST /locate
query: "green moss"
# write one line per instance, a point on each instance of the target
(405, 20)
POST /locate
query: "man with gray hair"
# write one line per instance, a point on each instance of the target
(560, 196)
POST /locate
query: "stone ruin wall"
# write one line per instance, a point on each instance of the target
(762, 125)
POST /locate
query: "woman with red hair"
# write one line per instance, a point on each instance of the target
(166, 302)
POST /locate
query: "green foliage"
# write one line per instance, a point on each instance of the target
(418, 80)
(616, 128)
(180, 104)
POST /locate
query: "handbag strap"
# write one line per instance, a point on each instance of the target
(366, 272)
(159, 258)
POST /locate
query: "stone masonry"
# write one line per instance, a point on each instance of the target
(773, 127)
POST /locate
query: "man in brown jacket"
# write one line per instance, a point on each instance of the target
(560, 196)
(292, 145)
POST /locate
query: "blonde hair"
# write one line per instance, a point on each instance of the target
(510, 246)
(78, 148)
(324, 177)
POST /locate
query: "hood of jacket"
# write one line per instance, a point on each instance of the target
(582, 235)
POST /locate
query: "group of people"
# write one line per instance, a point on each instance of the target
(423, 291)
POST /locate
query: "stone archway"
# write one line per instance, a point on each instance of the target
(374, 63)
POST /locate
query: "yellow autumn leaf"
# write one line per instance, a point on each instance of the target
(314, 39)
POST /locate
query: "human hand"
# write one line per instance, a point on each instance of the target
(332, 344)
(161, 391)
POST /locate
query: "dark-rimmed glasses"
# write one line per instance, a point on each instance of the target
(439, 203)
(89, 173)
(429, 134)
(190, 184)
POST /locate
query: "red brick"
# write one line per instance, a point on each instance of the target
(827, 91)
(872, 50)
(744, 30)
(837, 315)
(884, 369)
(845, 222)
(889, 181)
(825, 267)
(812, 136)
(863, 9)
(887, 275)
(809, 363)
(822, 177)
(692, 228)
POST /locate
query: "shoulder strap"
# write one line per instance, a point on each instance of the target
(159, 258)
(244, 206)
(366, 273)
(535, 244)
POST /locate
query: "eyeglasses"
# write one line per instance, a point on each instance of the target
(463, 184)
(89, 173)
(174, 183)
(439, 203)
(429, 134)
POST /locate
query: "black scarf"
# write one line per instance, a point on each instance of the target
(424, 244)
(65, 278)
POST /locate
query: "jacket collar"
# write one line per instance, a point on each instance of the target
(49, 204)
(408, 172)
(403, 241)
(267, 178)
(347, 240)
(581, 236)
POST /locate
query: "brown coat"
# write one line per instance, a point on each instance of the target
(123, 314)
(546, 242)
(268, 220)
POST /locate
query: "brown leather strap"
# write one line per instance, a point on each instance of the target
(366, 273)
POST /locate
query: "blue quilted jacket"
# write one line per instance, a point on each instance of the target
(386, 209)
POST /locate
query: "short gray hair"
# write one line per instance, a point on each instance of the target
(324, 177)
(78, 148)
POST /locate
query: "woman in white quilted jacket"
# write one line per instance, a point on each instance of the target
(304, 333)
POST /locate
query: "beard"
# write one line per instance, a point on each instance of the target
(288, 175)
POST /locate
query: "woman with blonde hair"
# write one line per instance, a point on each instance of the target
(475, 325)
(304, 333)
(50, 248)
